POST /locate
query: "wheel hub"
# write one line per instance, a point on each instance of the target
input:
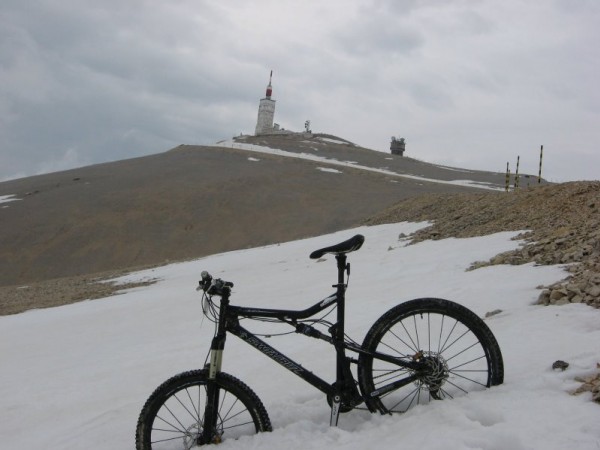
(436, 372)
(193, 437)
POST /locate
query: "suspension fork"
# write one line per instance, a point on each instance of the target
(211, 413)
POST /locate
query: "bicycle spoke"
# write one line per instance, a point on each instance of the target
(196, 408)
(222, 403)
(390, 376)
(416, 331)
(167, 431)
(441, 332)
(166, 440)
(445, 393)
(227, 417)
(414, 347)
(441, 350)
(466, 378)
(457, 386)
(429, 332)
(174, 417)
(401, 340)
(184, 406)
(238, 425)
(396, 371)
(455, 341)
(170, 424)
(465, 363)
(414, 393)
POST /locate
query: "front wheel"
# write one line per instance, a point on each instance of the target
(173, 416)
(459, 352)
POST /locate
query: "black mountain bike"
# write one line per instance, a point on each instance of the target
(421, 350)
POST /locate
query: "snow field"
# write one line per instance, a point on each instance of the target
(77, 376)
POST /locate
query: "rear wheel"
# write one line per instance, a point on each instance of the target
(459, 351)
(173, 416)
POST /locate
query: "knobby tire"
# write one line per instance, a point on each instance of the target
(461, 353)
(173, 416)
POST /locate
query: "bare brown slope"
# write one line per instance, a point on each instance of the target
(189, 202)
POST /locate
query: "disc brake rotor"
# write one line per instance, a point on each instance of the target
(435, 375)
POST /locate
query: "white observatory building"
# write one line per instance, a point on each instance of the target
(266, 112)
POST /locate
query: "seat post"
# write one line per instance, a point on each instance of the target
(339, 333)
(341, 295)
(341, 266)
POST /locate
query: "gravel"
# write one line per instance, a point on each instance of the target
(562, 223)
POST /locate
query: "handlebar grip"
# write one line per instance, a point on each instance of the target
(205, 282)
(205, 276)
(212, 286)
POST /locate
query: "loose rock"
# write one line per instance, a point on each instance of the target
(564, 226)
(560, 365)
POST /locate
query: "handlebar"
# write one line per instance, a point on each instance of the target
(213, 286)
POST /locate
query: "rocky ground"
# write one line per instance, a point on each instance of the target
(562, 223)
(62, 291)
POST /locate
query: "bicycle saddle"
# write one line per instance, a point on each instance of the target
(348, 246)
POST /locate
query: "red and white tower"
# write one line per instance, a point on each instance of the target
(266, 112)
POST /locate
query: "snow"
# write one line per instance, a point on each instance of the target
(77, 376)
(311, 157)
(333, 141)
(8, 198)
(328, 169)
(453, 169)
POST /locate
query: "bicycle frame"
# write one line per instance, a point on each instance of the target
(344, 384)
(423, 349)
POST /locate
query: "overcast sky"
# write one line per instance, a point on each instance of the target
(467, 83)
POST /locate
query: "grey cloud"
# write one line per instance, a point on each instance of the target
(82, 82)
(380, 34)
(72, 84)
